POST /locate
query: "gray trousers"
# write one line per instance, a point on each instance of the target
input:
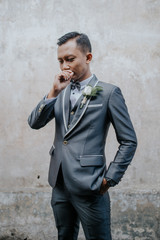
(69, 210)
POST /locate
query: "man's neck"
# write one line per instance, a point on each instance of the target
(89, 74)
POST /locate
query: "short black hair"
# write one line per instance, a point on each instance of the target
(82, 40)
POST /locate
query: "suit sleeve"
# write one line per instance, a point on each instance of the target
(125, 134)
(42, 114)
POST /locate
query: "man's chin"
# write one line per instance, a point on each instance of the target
(74, 78)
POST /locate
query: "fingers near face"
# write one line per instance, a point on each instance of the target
(66, 75)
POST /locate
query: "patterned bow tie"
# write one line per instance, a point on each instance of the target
(75, 85)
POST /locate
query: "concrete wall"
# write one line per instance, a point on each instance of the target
(125, 35)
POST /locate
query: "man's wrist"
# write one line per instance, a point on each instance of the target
(53, 94)
(110, 182)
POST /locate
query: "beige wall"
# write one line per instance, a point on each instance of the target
(125, 35)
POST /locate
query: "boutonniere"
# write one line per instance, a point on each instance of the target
(88, 92)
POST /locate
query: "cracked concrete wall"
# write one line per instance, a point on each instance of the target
(126, 46)
(28, 215)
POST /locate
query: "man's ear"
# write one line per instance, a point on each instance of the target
(88, 57)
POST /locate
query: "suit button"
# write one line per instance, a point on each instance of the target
(41, 108)
(65, 142)
(69, 126)
(72, 113)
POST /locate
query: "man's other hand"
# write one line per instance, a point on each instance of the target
(104, 186)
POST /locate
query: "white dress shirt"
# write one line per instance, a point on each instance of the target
(75, 93)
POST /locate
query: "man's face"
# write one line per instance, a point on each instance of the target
(71, 57)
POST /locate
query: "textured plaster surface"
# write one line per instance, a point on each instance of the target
(125, 35)
(28, 215)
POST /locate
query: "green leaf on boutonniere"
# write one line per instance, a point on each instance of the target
(90, 91)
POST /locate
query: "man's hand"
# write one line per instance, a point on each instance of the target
(104, 186)
(61, 80)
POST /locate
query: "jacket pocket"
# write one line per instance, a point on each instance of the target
(91, 160)
(95, 105)
(51, 151)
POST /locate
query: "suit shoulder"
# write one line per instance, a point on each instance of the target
(107, 86)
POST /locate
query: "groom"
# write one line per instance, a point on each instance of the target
(83, 108)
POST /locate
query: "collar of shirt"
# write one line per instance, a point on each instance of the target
(75, 93)
(85, 82)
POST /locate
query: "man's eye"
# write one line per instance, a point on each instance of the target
(70, 59)
(60, 62)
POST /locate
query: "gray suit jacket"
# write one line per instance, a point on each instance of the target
(79, 148)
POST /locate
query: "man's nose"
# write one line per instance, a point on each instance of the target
(65, 66)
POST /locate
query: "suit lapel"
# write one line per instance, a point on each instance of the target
(66, 106)
(80, 111)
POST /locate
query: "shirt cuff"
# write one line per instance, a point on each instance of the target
(110, 182)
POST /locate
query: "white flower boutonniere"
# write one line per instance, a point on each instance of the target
(90, 91)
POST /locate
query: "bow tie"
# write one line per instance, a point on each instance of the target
(75, 85)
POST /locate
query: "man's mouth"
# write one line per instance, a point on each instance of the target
(73, 74)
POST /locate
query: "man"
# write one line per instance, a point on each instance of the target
(83, 108)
